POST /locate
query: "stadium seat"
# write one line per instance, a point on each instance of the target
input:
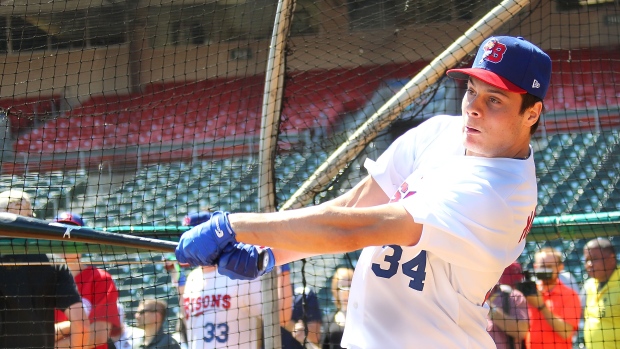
(168, 113)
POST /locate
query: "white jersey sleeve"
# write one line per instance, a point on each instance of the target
(475, 214)
(220, 312)
(469, 206)
(405, 153)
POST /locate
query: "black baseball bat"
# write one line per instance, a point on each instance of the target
(15, 226)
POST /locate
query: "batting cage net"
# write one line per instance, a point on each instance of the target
(133, 117)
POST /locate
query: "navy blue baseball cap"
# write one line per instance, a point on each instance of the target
(69, 218)
(510, 63)
(193, 219)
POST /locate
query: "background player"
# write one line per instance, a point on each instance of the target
(220, 312)
(446, 208)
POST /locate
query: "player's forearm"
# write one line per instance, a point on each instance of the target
(286, 256)
(327, 229)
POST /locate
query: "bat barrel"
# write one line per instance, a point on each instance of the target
(15, 226)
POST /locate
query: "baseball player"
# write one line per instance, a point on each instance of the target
(220, 312)
(444, 210)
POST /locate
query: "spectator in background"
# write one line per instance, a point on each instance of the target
(304, 327)
(98, 291)
(32, 289)
(150, 317)
(602, 290)
(286, 304)
(334, 325)
(130, 337)
(508, 322)
(554, 309)
(569, 280)
(178, 280)
(220, 312)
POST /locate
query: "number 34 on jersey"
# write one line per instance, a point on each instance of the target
(392, 264)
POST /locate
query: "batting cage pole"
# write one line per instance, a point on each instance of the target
(272, 105)
(272, 108)
(349, 149)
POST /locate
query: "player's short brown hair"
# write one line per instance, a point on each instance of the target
(528, 101)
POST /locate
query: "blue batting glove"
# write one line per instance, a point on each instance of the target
(204, 243)
(246, 262)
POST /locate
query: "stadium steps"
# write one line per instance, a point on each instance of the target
(580, 175)
(163, 194)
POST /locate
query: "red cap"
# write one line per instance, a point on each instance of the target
(512, 274)
(69, 218)
(487, 76)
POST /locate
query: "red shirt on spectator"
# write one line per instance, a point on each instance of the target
(564, 303)
(99, 297)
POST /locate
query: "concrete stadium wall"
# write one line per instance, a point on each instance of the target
(76, 75)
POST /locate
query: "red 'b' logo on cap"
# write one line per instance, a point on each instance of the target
(494, 51)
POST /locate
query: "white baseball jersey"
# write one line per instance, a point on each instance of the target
(220, 312)
(476, 213)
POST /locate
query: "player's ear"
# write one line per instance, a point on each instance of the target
(533, 113)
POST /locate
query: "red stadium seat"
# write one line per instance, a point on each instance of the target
(585, 79)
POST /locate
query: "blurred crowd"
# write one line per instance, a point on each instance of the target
(544, 306)
(57, 301)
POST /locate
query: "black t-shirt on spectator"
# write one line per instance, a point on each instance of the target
(28, 296)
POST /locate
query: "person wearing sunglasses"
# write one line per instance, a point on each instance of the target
(150, 317)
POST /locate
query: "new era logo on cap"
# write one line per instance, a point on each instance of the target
(510, 63)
